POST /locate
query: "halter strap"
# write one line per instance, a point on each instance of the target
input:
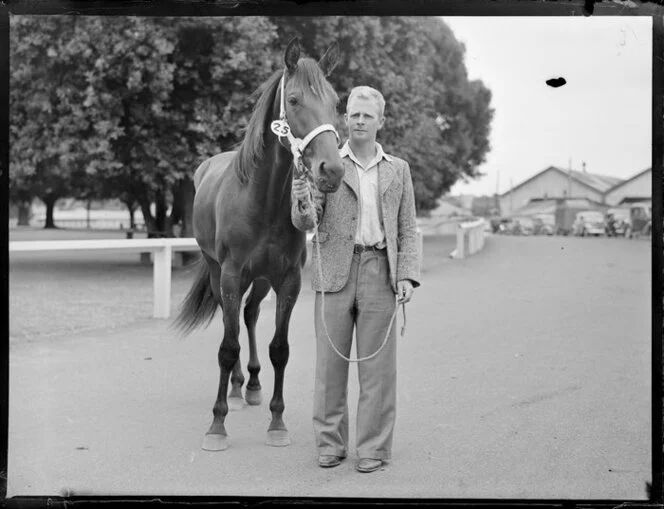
(297, 145)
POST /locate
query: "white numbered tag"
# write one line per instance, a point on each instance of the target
(280, 127)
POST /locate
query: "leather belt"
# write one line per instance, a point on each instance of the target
(359, 248)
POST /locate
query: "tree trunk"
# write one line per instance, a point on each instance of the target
(183, 208)
(186, 202)
(131, 207)
(161, 216)
(49, 201)
(24, 213)
(144, 204)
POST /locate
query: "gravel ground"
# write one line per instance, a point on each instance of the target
(67, 292)
(524, 373)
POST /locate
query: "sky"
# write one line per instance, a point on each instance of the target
(602, 116)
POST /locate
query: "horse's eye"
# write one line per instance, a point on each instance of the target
(292, 101)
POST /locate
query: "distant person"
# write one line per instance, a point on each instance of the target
(369, 252)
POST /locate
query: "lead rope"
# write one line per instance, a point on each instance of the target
(322, 296)
(282, 129)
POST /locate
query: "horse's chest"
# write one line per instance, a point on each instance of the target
(274, 256)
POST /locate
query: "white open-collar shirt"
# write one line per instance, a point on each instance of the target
(369, 231)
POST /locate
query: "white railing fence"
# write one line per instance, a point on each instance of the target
(162, 250)
(163, 255)
(470, 238)
(162, 260)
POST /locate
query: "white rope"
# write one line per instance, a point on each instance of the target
(322, 306)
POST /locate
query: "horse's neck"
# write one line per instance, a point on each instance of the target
(271, 182)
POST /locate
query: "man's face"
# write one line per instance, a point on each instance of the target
(363, 120)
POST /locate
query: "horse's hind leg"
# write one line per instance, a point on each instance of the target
(235, 401)
(287, 293)
(259, 290)
(233, 286)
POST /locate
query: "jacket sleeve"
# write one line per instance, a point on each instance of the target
(301, 214)
(409, 256)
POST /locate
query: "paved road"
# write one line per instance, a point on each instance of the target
(524, 373)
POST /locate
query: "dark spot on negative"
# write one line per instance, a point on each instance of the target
(556, 82)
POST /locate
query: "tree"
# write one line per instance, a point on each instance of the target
(178, 90)
(437, 119)
(49, 128)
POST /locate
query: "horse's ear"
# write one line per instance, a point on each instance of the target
(292, 54)
(329, 60)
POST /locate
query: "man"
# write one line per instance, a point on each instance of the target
(369, 252)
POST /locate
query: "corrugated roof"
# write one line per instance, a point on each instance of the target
(634, 177)
(600, 182)
(548, 206)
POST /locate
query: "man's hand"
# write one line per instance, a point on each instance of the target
(404, 291)
(300, 190)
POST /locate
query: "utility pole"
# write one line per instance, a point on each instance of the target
(511, 195)
(569, 178)
(497, 200)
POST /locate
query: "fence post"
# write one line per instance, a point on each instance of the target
(161, 275)
(461, 247)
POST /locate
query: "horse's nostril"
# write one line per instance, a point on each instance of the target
(330, 176)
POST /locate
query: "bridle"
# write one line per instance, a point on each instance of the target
(282, 129)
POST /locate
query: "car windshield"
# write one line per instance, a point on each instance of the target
(591, 216)
(619, 213)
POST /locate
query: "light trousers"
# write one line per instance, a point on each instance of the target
(366, 304)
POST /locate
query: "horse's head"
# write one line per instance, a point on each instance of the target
(309, 105)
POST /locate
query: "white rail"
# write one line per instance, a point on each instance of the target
(162, 249)
(470, 238)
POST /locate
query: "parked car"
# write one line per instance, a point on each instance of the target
(617, 221)
(565, 215)
(505, 226)
(640, 216)
(544, 224)
(588, 222)
(523, 226)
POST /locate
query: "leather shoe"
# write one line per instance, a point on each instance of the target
(368, 465)
(328, 460)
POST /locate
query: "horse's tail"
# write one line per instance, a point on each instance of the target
(200, 304)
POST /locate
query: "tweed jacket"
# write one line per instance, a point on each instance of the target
(337, 216)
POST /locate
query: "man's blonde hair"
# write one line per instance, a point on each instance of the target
(364, 92)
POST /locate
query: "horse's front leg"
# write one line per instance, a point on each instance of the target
(287, 292)
(233, 286)
(260, 288)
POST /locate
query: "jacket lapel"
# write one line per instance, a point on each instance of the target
(386, 173)
(350, 175)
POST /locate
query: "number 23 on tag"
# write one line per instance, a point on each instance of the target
(280, 128)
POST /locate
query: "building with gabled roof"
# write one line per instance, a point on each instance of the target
(634, 189)
(557, 183)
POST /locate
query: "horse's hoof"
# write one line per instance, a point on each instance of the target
(215, 443)
(278, 438)
(235, 403)
(253, 397)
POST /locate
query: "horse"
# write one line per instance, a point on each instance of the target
(242, 224)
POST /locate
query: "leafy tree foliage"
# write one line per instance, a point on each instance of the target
(49, 129)
(436, 118)
(128, 107)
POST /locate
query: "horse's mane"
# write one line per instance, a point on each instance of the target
(309, 78)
